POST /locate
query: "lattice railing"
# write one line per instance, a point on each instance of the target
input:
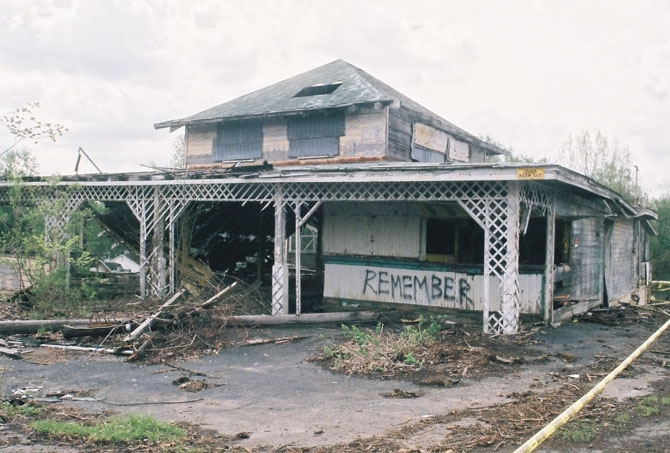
(493, 204)
(56, 220)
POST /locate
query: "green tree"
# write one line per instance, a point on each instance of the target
(16, 164)
(48, 264)
(660, 245)
(607, 161)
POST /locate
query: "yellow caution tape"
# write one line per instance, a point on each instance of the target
(532, 443)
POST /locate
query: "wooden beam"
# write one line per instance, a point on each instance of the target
(308, 318)
(28, 327)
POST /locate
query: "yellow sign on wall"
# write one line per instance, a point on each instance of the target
(530, 173)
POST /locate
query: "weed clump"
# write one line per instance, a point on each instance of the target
(384, 352)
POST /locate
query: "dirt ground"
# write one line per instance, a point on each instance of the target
(266, 392)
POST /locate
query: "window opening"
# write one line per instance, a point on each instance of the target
(562, 242)
(317, 90)
(454, 241)
(533, 244)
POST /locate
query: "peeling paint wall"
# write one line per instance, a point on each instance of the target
(376, 252)
(586, 260)
(395, 282)
(620, 266)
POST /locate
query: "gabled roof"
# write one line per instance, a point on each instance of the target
(352, 86)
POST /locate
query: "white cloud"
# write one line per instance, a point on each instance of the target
(528, 73)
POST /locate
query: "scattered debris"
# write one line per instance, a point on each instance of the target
(507, 360)
(191, 372)
(193, 385)
(566, 357)
(399, 393)
(11, 353)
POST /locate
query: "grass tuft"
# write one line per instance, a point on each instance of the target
(116, 429)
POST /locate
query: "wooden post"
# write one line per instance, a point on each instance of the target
(549, 265)
(158, 260)
(142, 217)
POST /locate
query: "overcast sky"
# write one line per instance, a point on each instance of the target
(527, 73)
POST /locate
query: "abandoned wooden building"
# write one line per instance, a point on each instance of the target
(391, 203)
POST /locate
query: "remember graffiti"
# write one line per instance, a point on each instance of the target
(413, 288)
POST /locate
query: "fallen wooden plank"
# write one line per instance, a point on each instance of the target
(92, 331)
(135, 334)
(306, 318)
(115, 351)
(11, 353)
(282, 340)
(27, 327)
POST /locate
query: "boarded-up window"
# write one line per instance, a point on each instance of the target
(315, 135)
(237, 140)
(429, 144)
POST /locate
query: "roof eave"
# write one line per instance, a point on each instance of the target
(176, 124)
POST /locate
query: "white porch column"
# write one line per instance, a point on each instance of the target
(280, 267)
(510, 278)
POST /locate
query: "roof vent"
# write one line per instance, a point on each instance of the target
(316, 90)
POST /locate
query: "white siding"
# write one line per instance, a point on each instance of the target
(392, 236)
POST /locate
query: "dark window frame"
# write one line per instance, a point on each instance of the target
(317, 90)
(454, 241)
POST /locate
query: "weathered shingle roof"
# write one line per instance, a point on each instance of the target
(355, 87)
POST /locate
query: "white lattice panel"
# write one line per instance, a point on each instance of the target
(493, 204)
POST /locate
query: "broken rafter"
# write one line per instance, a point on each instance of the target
(135, 334)
(216, 297)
